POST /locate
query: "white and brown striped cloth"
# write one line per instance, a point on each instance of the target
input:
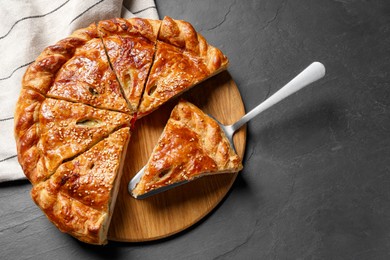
(26, 28)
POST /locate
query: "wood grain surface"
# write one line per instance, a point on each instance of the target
(175, 210)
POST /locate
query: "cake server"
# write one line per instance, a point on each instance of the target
(312, 73)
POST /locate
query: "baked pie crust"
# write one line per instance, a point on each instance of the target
(79, 101)
(183, 59)
(79, 197)
(192, 145)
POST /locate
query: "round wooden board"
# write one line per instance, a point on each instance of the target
(177, 209)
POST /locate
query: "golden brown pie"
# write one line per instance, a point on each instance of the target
(80, 196)
(183, 59)
(79, 100)
(68, 129)
(40, 74)
(27, 132)
(192, 145)
(130, 46)
(87, 78)
(58, 130)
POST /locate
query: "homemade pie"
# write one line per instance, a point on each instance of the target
(80, 196)
(66, 129)
(192, 145)
(78, 104)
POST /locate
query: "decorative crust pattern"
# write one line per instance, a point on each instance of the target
(134, 27)
(183, 35)
(87, 78)
(173, 72)
(41, 73)
(192, 145)
(130, 46)
(183, 59)
(27, 132)
(77, 198)
(68, 129)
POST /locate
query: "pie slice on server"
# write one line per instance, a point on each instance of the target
(130, 46)
(183, 59)
(66, 129)
(79, 198)
(192, 145)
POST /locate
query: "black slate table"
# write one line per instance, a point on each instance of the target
(316, 182)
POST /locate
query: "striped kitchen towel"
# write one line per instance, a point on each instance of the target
(26, 28)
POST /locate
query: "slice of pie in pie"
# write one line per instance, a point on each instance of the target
(183, 59)
(87, 78)
(67, 129)
(192, 145)
(130, 46)
(79, 198)
(40, 75)
(77, 69)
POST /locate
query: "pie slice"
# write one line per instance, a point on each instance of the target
(87, 78)
(130, 46)
(192, 145)
(79, 198)
(183, 59)
(40, 75)
(68, 129)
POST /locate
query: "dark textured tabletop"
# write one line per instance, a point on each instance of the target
(316, 178)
